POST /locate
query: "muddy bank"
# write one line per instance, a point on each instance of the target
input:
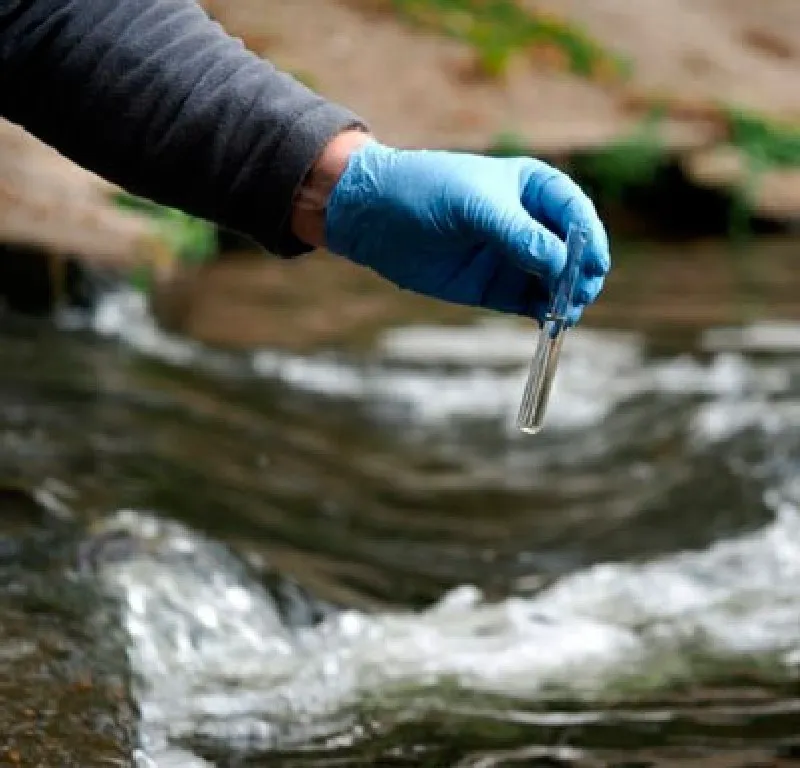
(685, 175)
(695, 59)
(49, 204)
(697, 54)
(65, 231)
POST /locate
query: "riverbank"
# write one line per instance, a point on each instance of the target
(695, 136)
(463, 74)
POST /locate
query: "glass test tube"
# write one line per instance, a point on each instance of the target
(551, 336)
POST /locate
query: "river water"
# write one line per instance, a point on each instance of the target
(267, 559)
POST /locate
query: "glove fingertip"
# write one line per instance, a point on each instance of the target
(589, 289)
(597, 262)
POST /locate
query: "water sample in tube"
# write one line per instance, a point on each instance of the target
(551, 336)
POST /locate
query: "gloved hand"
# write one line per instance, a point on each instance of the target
(464, 228)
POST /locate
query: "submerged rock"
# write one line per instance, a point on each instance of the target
(64, 685)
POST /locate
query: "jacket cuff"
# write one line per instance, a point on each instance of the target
(298, 151)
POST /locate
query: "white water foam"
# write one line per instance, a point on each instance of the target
(438, 374)
(125, 315)
(773, 337)
(598, 371)
(214, 658)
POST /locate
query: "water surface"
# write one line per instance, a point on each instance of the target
(354, 559)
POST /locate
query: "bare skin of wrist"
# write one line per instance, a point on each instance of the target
(311, 200)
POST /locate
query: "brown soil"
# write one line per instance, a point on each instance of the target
(413, 89)
(732, 51)
(55, 207)
(411, 86)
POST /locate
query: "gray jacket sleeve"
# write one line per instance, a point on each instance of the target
(154, 96)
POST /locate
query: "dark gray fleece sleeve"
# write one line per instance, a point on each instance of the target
(154, 96)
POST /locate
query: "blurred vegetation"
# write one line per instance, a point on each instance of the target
(635, 160)
(306, 78)
(765, 145)
(640, 161)
(768, 143)
(189, 240)
(499, 30)
(629, 162)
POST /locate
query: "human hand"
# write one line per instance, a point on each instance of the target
(464, 228)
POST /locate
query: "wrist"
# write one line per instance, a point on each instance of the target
(311, 200)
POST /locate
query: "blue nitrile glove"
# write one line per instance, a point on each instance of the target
(468, 229)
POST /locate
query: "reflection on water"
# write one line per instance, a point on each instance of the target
(357, 558)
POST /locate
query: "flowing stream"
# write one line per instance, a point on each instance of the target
(224, 559)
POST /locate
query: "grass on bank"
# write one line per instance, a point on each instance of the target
(765, 145)
(634, 160)
(771, 144)
(500, 30)
(188, 239)
(630, 162)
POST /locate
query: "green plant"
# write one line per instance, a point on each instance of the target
(189, 240)
(768, 143)
(632, 161)
(764, 145)
(508, 144)
(499, 29)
